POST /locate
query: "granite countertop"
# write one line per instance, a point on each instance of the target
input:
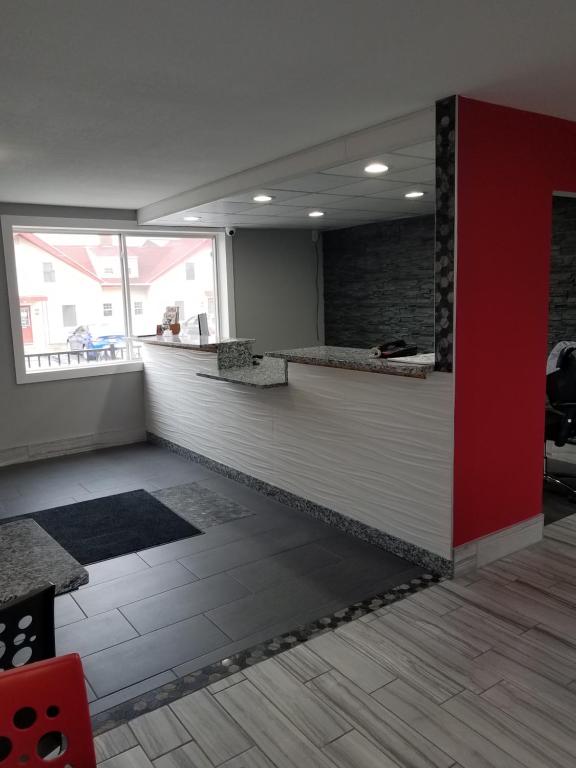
(189, 341)
(415, 366)
(270, 373)
(30, 558)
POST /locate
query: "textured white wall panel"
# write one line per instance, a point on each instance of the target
(376, 448)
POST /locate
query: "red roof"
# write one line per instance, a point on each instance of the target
(153, 260)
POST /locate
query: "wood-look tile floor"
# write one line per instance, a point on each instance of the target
(479, 672)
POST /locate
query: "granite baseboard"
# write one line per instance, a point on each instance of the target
(429, 560)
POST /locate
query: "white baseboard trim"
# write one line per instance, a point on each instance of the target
(69, 445)
(475, 554)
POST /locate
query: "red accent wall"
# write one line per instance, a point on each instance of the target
(509, 164)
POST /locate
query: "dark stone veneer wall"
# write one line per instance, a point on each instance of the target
(379, 283)
(562, 307)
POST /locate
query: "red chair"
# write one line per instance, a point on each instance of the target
(44, 716)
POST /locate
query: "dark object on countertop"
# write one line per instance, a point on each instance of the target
(396, 348)
(99, 529)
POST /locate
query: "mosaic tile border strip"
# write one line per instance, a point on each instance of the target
(213, 673)
(385, 541)
(444, 260)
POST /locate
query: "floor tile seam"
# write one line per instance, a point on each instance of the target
(337, 712)
(262, 559)
(125, 605)
(199, 613)
(168, 751)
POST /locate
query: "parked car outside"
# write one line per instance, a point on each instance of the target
(83, 339)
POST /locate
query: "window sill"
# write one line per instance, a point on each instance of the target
(82, 372)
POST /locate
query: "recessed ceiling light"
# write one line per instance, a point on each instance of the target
(262, 198)
(316, 214)
(376, 168)
(191, 218)
(414, 194)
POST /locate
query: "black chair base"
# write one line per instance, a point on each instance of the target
(557, 482)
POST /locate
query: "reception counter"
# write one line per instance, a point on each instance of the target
(370, 454)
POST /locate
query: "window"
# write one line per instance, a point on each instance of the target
(49, 272)
(68, 315)
(84, 324)
(190, 271)
(156, 282)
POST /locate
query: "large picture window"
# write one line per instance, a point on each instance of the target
(84, 296)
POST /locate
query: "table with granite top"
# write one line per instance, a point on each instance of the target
(30, 558)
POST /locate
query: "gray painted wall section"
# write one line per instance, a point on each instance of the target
(275, 288)
(68, 410)
(379, 283)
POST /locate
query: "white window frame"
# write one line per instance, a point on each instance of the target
(223, 281)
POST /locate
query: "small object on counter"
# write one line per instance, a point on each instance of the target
(175, 328)
(397, 348)
(159, 330)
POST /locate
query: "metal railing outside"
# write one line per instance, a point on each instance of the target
(71, 357)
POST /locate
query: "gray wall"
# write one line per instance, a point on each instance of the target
(379, 283)
(57, 410)
(275, 291)
(562, 307)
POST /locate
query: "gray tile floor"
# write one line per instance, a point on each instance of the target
(148, 617)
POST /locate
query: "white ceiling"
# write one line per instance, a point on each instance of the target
(346, 194)
(127, 102)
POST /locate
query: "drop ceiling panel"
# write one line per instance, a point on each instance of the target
(394, 163)
(314, 182)
(426, 149)
(369, 204)
(219, 206)
(277, 210)
(278, 195)
(425, 174)
(366, 187)
(314, 200)
(400, 189)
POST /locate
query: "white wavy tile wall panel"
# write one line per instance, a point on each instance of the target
(376, 448)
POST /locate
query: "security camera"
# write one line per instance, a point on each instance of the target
(230, 231)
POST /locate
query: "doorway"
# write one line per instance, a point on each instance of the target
(558, 500)
(26, 322)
